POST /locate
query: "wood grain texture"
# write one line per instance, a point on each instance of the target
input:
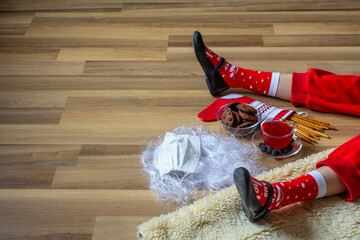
(153, 53)
(85, 85)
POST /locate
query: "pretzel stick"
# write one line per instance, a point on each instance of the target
(311, 130)
(305, 134)
(311, 134)
(308, 128)
(312, 120)
(308, 124)
(303, 137)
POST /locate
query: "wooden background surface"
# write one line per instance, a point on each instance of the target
(84, 83)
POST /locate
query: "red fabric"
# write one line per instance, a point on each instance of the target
(209, 113)
(345, 162)
(236, 77)
(327, 92)
(299, 189)
(266, 110)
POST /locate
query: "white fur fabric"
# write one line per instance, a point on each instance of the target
(220, 216)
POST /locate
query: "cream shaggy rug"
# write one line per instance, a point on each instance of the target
(220, 216)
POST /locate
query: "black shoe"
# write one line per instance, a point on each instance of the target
(215, 82)
(252, 207)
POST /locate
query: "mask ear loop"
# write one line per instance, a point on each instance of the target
(183, 177)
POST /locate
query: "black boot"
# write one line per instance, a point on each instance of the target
(215, 82)
(252, 207)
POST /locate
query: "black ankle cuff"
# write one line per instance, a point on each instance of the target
(218, 66)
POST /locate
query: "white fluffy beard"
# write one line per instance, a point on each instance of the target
(220, 156)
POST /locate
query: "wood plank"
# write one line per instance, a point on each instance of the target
(148, 53)
(107, 227)
(185, 18)
(352, 27)
(26, 176)
(41, 5)
(89, 82)
(74, 42)
(224, 6)
(33, 99)
(338, 67)
(218, 40)
(13, 29)
(39, 155)
(158, 98)
(110, 107)
(88, 202)
(106, 160)
(30, 116)
(16, 17)
(110, 156)
(271, 53)
(139, 31)
(185, 5)
(15, 23)
(311, 40)
(31, 107)
(82, 134)
(73, 211)
(117, 150)
(143, 68)
(41, 68)
(104, 177)
(28, 54)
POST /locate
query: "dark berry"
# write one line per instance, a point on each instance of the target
(290, 147)
(286, 150)
(280, 151)
(261, 144)
(269, 150)
(292, 140)
(274, 152)
(263, 148)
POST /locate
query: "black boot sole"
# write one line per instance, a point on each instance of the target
(214, 81)
(253, 209)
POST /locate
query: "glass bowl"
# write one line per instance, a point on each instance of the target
(237, 131)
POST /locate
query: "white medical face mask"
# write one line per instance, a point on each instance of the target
(177, 152)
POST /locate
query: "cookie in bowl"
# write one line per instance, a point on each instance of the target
(238, 119)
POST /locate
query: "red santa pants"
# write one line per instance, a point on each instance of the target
(327, 92)
(345, 162)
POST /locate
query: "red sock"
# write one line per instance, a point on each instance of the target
(306, 187)
(254, 80)
(266, 110)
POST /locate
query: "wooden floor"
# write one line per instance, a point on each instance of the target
(83, 84)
